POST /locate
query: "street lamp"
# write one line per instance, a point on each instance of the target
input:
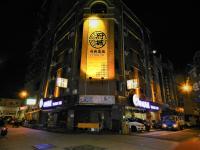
(186, 87)
(23, 94)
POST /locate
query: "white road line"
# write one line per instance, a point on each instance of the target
(162, 133)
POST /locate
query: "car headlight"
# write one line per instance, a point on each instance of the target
(164, 125)
(175, 125)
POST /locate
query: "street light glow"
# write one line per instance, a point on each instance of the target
(23, 94)
(187, 88)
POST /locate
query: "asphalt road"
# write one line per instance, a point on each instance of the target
(179, 136)
(28, 139)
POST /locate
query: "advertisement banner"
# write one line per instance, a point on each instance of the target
(97, 59)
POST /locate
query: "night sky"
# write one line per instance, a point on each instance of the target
(174, 30)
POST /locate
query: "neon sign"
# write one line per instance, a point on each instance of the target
(51, 103)
(57, 103)
(47, 103)
(31, 101)
(144, 104)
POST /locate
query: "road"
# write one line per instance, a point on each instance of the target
(25, 139)
(187, 134)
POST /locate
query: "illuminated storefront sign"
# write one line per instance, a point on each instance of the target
(31, 101)
(51, 103)
(132, 84)
(144, 104)
(61, 82)
(57, 103)
(97, 59)
(97, 99)
(47, 103)
(23, 107)
(41, 103)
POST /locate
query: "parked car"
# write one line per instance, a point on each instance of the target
(7, 118)
(146, 123)
(135, 125)
(173, 122)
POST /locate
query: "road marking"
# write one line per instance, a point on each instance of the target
(162, 133)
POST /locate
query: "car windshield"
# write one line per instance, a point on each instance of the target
(171, 118)
(131, 119)
(136, 120)
(140, 120)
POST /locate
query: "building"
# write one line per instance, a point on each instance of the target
(170, 85)
(192, 98)
(11, 107)
(97, 66)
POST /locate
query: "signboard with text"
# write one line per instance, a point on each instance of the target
(97, 59)
(97, 99)
(144, 104)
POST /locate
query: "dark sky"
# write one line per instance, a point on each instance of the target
(174, 30)
(17, 30)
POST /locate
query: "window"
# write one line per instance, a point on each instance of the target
(98, 8)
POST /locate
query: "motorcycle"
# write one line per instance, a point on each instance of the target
(4, 131)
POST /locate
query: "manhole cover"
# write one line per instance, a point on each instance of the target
(84, 147)
(43, 146)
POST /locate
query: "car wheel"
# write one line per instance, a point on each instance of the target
(133, 129)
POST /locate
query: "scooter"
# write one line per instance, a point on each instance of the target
(4, 131)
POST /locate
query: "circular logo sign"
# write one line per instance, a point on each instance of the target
(97, 39)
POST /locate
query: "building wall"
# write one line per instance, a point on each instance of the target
(130, 54)
(9, 106)
(170, 85)
(126, 57)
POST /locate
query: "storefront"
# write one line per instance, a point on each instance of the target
(53, 113)
(142, 109)
(95, 109)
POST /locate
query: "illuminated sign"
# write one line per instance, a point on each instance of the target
(47, 103)
(144, 104)
(57, 103)
(132, 84)
(31, 101)
(23, 108)
(97, 58)
(97, 99)
(41, 103)
(61, 82)
(51, 103)
(97, 39)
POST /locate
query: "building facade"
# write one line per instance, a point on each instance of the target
(98, 68)
(11, 107)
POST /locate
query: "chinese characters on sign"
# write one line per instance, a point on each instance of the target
(61, 82)
(98, 48)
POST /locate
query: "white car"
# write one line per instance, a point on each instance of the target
(134, 125)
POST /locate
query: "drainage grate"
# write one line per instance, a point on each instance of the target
(43, 146)
(84, 147)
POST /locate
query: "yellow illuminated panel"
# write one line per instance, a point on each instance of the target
(97, 59)
(46, 89)
(57, 89)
